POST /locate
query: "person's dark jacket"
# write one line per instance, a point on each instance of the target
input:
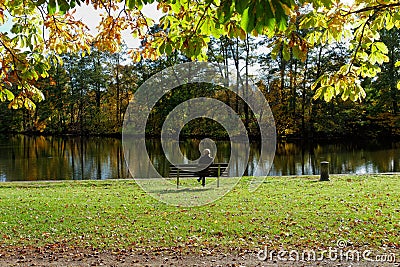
(205, 159)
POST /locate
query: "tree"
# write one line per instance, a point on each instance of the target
(42, 30)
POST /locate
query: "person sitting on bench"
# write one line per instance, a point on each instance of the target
(205, 159)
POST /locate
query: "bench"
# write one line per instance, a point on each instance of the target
(190, 170)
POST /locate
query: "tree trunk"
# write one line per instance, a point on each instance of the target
(246, 107)
(118, 111)
(303, 98)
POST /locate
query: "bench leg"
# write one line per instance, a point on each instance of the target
(203, 181)
(219, 173)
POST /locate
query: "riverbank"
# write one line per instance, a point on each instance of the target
(293, 138)
(284, 213)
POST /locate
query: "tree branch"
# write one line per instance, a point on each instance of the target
(359, 42)
(375, 8)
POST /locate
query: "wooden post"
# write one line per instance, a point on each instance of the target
(177, 179)
(219, 173)
(324, 171)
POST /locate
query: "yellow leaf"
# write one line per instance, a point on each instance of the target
(1, 17)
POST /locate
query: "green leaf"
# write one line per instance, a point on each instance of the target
(361, 91)
(16, 28)
(389, 21)
(52, 7)
(326, 3)
(206, 27)
(139, 4)
(259, 27)
(382, 47)
(63, 6)
(282, 25)
(16, 103)
(176, 7)
(130, 4)
(320, 91)
(240, 6)
(296, 52)
(72, 4)
(29, 104)
(328, 94)
(40, 2)
(241, 33)
(275, 50)
(225, 12)
(38, 95)
(168, 49)
(161, 48)
(362, 55)
(345, 94)
(247, 22)
(270, 23)
(323, 79)
(280, 17)
(215, 30)
(286, 52)
(378, 23)
(9, 94)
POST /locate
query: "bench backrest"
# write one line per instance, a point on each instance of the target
(191, 170)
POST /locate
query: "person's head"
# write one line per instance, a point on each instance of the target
(206, 152)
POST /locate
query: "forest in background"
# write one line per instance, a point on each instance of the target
(88, 95)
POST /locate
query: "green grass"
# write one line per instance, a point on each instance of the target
(284, 211)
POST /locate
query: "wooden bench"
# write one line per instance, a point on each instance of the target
(191, 170)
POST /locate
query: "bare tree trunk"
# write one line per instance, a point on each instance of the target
(246, 107)
(303, 98)
(224, 51)
(293, 86)
(393, 86)
(282, 77)
(312, 110)
(98, 85)
(235, 55)
(118, 111)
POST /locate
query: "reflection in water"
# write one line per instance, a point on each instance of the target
(25, 158)
(65, 158)
(189, 151)
(356, 158)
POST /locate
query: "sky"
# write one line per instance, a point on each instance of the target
(91, 18)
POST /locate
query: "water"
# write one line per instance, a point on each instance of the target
(24, 158)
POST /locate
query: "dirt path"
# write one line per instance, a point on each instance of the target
(85, 257)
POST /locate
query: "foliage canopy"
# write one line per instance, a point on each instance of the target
(42, 30)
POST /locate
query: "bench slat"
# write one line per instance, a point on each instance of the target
(190, 170)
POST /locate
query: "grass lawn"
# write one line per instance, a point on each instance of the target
(289, 212)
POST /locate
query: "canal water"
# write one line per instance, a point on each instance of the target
(29, 158)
